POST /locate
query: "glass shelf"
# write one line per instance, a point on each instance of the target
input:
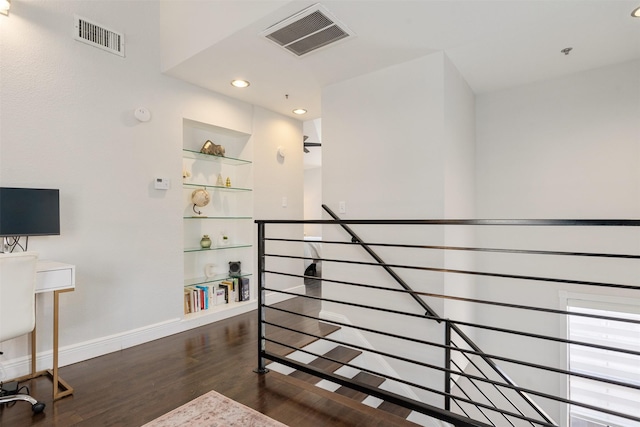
(218, 187)
(191, 154)
(212, 279)
(217, 217)
(217, 248)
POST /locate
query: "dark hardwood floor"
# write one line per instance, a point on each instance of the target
(136, 385)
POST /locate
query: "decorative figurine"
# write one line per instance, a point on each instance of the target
(219, 181)
(212, 149)
(200, 198)
(223, 240)
(205, 242)
(228, 182)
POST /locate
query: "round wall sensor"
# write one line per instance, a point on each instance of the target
(142, 114)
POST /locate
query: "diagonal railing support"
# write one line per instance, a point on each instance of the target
(430, 312)
(356, 239)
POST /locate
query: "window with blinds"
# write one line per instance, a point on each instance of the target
(604, 363)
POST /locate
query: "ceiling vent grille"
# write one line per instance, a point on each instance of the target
(98, 36)
(307, 31)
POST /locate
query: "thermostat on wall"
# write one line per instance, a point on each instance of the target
(162, 183)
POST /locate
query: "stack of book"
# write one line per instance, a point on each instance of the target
(204, 297)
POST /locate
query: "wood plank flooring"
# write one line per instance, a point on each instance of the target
(136, 385)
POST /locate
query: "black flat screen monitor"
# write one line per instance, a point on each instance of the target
(29, 212)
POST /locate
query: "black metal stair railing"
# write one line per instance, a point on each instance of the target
(451, 328)
(460, 381)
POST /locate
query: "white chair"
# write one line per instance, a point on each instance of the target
(17, 308)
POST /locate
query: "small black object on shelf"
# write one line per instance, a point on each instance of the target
(234, 268)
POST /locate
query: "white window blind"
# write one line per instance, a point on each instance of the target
(604, 364)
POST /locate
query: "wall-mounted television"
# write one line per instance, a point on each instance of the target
(29, 212)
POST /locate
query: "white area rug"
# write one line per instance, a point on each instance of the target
(214, 410)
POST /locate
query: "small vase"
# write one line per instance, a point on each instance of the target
(205, 242)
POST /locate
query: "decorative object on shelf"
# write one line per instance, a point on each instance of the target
(205, 242)
(200, 198)
(244, 293)
(224, 239)
(185, 174)
(228, 183)
(234, 268)
(219, 181)
(212, 149)
(209, 271)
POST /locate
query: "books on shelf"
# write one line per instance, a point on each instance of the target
(204, 297)
(244, 293)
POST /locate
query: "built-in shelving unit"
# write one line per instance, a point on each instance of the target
(229, 213)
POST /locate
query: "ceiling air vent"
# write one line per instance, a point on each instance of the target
(98, 36)
(307, 31)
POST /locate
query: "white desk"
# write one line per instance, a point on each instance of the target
(56, 277)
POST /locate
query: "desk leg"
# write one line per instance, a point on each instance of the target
(57, 381)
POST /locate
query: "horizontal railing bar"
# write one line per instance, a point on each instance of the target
(470, 300)
(322, 374)
(479, 326)
(547, 338)
(470, 272)
(424, 408)
(400, 358)
(466, 248)
(474, 352)
(469, 376)
(360, 328)
(483, 222)
(369, 371)
(487, 358)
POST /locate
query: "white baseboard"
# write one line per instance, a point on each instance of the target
(74, 353)
(79, 352)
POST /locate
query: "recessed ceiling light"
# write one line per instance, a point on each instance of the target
(299, 111)
(240, 83)
(636, 12)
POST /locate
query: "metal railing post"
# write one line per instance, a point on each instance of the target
(447, 365)
(261, 369)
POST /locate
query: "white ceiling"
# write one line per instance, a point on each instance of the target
(494, 44)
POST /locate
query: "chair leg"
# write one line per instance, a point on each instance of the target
(36, 406)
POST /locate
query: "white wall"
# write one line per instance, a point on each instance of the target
(277, 179)
(459, 191)
(313, 177)
(394, 147)
(67, 122)
(313, 200)
(564, 148)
